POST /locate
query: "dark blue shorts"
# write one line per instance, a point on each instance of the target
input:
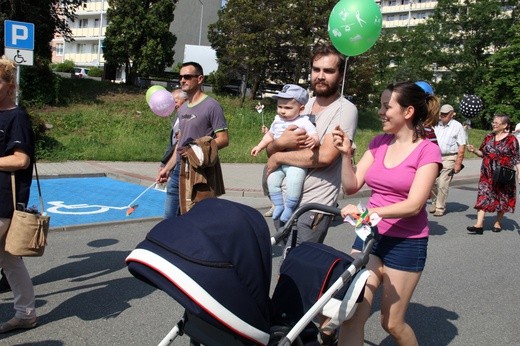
(399, 253)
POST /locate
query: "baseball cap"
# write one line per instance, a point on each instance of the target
(447, 108)
(293, 91)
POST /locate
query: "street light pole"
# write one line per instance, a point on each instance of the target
(100, 33)
(409, 13)
(201, 16)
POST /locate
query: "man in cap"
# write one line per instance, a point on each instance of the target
(451, 138)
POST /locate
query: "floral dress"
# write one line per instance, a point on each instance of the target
(492, 197)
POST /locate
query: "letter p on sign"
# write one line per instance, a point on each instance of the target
(20, 32)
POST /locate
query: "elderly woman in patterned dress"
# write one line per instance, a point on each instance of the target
(498, 148)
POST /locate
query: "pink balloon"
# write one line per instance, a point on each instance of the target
(162, 103)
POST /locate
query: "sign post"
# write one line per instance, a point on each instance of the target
(19, 45)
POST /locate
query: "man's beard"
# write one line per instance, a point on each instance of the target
(325, 90)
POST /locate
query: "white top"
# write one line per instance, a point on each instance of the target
(279, 125)
(450, 137)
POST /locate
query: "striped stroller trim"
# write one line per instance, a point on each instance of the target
(198, 295)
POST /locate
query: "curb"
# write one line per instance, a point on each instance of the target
(102, 224)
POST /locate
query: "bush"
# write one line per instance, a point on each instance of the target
(39, 86)
(66, 66)
(218, 80)
(95, 72)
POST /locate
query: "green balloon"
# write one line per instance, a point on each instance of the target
(355, 26)
(151, 90)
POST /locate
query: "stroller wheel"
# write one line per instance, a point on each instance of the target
(277, 333)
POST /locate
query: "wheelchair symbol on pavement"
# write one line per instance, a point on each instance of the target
(59, 207)
(18, 58)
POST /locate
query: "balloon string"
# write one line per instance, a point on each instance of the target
(344, 74)
(142, 193)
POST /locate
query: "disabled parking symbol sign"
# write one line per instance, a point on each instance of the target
(19, 41)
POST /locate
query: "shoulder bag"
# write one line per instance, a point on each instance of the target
(502, 175)
(27, 234)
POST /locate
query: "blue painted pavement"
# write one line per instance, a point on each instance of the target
(78, 201)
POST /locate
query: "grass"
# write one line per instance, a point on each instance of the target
(110, 122)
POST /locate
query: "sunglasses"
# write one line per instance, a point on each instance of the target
(444, 115)
(188, 76)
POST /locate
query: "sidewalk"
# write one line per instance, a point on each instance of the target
(241, 180)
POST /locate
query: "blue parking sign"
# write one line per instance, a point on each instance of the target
(18, 35)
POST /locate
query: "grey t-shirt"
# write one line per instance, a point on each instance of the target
(322, 185)
(202, 119)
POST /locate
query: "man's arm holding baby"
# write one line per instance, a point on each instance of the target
(292, 149)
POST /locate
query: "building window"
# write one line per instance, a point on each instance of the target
(83, 23)
(81, 48)
(95, 48)
(59, 49)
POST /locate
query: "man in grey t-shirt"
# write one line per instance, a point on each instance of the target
(200, 116)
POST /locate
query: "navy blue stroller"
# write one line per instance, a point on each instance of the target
(215, 261)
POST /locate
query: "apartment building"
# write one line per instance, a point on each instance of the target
(88, 31)
(190, 25)
(405, 13)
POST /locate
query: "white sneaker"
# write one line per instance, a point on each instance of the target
(438, 212)
(269, 213)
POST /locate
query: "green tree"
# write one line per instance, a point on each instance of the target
(242, 38)
(400, 54)
(463, 35)
(501, 88)
(269, 40)
(138, 36)
(48, 16)
(37, 83)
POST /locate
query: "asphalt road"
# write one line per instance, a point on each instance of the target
(468, 294)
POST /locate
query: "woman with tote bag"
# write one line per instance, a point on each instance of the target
(16, 153)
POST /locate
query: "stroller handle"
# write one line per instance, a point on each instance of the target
(285, 230)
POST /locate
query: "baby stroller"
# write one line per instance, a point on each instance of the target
(215, 261)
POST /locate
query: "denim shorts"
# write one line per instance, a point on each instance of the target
(408, 254)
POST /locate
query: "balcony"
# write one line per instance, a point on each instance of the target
(92, 7)
(423, 6)
(402, 22)
(85, 59)
(78, 33)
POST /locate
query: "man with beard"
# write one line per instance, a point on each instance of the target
(329, 110)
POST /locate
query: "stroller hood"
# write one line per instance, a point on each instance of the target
(215, 261)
